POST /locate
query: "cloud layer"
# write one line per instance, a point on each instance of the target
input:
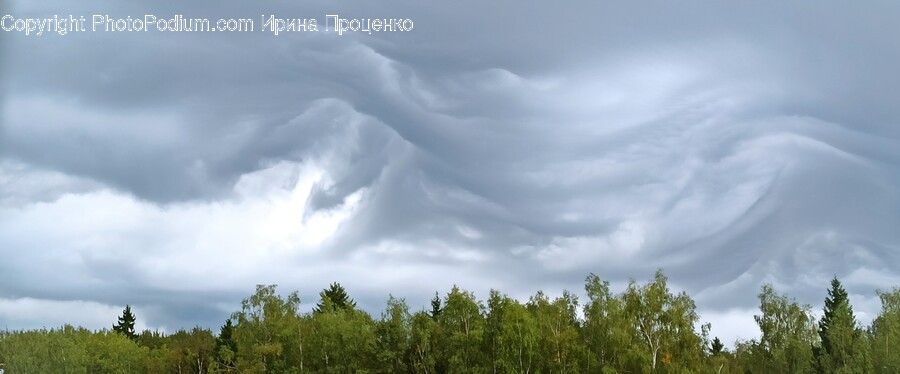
(496, 145)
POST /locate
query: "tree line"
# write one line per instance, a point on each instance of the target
(644, 329)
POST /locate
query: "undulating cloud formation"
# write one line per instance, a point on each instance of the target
(498, 144)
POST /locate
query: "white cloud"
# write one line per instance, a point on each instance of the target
(85, 238)
(28, 313)
(731, 325)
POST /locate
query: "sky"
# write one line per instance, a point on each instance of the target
(495, 145)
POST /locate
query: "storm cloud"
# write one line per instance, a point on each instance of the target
(495, 145)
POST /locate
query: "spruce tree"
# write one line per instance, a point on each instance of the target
(842, 340)
(716, 347)
(836, 300)
(337, 299)
(226, 347)
(125, 326)
(436, 307)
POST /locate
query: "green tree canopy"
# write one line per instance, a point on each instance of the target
(393, 335)
(788, 335)
(463, 323)
(266, 331)
(646, 328)
(664, 323)
(886, 333)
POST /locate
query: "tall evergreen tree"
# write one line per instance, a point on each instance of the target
(337, 299)
(125, 326)
(224, 339)
(226, 347)
(436, 306)
(842, 341)
(716, 347)
(836, 302)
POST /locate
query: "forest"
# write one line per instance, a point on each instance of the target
(646, 328)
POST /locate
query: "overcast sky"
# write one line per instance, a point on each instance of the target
(498, 144)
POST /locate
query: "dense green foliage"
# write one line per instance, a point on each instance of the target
(644, 329)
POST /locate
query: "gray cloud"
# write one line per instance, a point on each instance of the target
(496, 145)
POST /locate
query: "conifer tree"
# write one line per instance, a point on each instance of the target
(842, 340)
(226, 347)
(436, 306)
(125, 325)
(337, 299)
(835, 302)
(716, 347)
